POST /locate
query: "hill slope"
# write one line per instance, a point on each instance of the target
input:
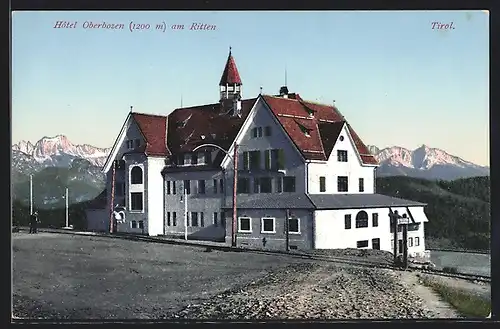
(458, 211)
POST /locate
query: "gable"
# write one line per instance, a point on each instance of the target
(297, 116)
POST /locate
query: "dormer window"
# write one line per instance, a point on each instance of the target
(137, 142)
(310, 113)
(306, 131)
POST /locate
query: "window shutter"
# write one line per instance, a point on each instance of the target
(281, 159)
(245, 160)
(267, 160)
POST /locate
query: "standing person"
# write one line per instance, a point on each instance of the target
(36, 221)
(32, 223)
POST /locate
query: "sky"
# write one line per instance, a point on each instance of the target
(397, 80)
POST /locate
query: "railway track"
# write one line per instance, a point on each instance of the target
(352, 260)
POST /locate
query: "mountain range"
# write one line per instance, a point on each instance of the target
(56, 163)
(424, 162)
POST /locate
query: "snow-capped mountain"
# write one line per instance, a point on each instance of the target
(424, 162)
(58, 151)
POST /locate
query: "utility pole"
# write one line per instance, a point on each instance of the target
(111, 219)
(31, 194)
(394, 220)
(287, 229)
(67, 208)
(405, 245)
(235, 186)
(185, 213)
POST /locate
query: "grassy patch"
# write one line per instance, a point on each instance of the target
(468, 305)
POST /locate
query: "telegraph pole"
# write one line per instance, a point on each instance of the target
(394, 218)
(235, 187)
(67, 208)
(31, 194)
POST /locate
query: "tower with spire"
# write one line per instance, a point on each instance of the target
(230, 82)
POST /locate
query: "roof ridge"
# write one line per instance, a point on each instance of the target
(151, 115)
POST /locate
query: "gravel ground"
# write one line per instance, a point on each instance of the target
(69, 276)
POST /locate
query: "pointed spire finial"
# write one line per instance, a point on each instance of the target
(260, 91)
(131, 107)
(230, 50)
(285, 76)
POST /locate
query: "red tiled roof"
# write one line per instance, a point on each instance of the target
(324, 126)
(154, 130)
(230, 75)
(188, 126)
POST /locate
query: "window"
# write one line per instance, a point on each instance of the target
(362, 244)
(293, 225)
(215, 186)
(259, 131)
(256, 185)
(265, 185)
(347, 222)
(201, 187)
(221, 185)
(245, 160)
(342, 185)
(168, 187)
(341, 138)
(168, 219)
(187, 186)
(289, 184)
(174, 190)
(243, 185)
(215, 218)
(417, 241)
(202, 219)
(268, 225)
(254, 132)
(322, 184)
(410, 242)
(133, 224)
(413, 227)
(361, 219)
(194, 158)
(267, 159)
(174, 219)
(267, 131)
(361, 185)
(194, 218)
(376, 244)
(341, 156)
(392, 244)
(136, 175)
(180, 160)
(245, 224)
(137, 142)
(279, 184)
(254, 160)
(277, 159)
(136, 201)
(141, 224)
(208, 158)
(375, 220)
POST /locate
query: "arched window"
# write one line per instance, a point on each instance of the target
(362, 219)
(136, 175)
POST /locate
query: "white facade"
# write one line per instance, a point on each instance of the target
(155, 195)
(353, 169)
(330, 230)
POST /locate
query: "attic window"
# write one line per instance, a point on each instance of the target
(310, 112)
(305, 130)
(202, 136)
(341, 138)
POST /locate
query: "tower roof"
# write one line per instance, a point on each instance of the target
(230, 75)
